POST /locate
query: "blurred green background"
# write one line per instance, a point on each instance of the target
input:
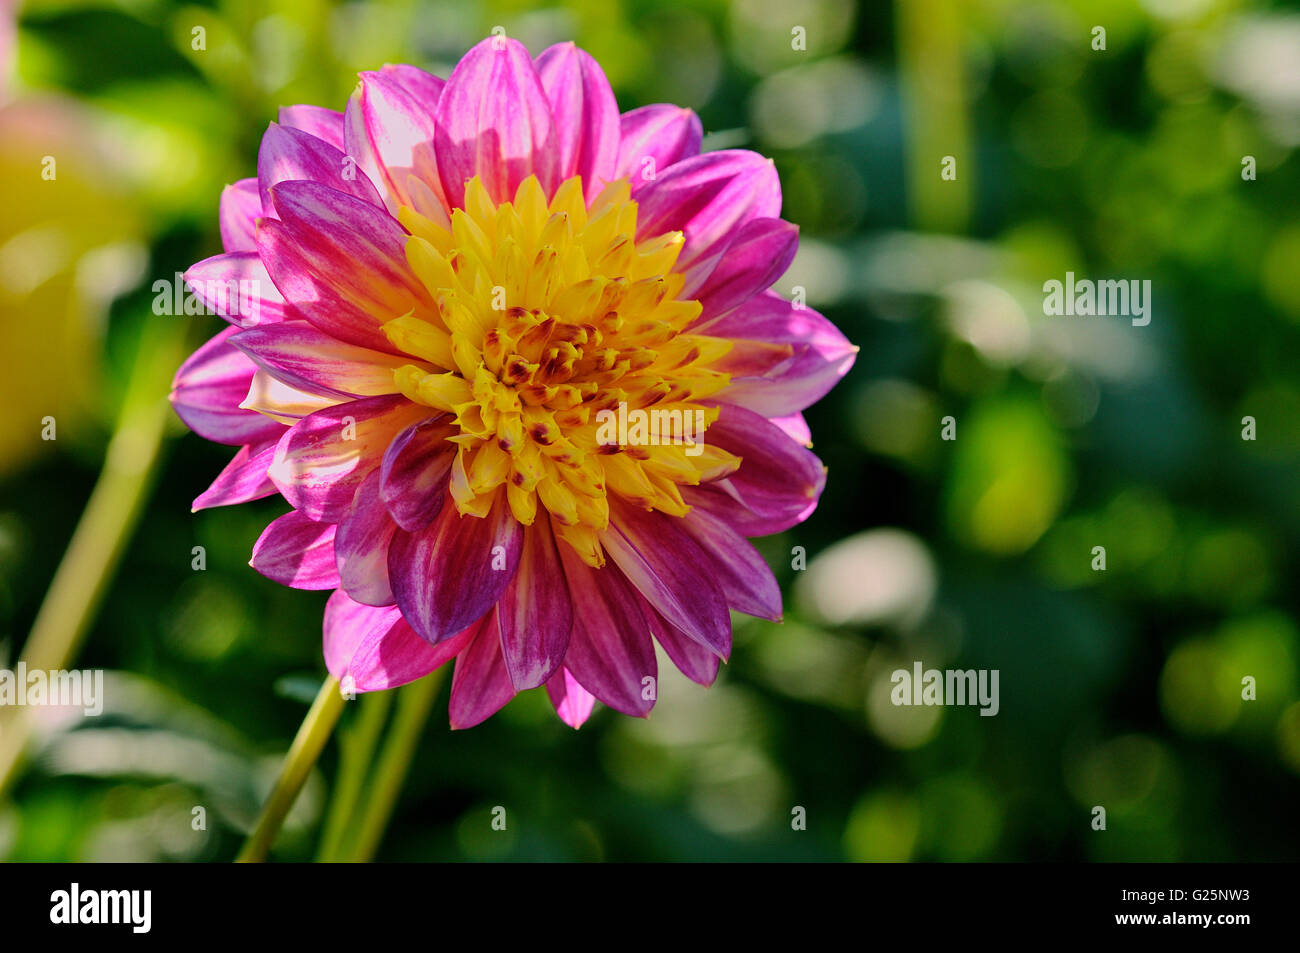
(1119, 688)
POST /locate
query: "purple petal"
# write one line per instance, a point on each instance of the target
(742, 574)
(480, 685)
(610, 652)
(388, 129)
(324, 124)
(297, 552)
(535, 613)
(653, 138)
(762, 251)
(777, 485)
(288, 155)
(572, 702)
(240, 207)
(376, 648)
(664, 563)
(237, 287)
(210, 386)
(494, 121)
(416, 472)
(322, 459)
(303, 357)
(798, 358)
(708, 198)
(695, 661)
(454, 570)
(586, 115)
(341, 262)
(244, 478)
(361, 547)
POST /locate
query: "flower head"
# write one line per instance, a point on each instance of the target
(512, 359)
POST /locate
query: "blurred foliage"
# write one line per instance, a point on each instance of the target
(1120, 688)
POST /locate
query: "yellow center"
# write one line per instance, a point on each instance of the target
(549, 314)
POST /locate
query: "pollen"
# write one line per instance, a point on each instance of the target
(552, 319)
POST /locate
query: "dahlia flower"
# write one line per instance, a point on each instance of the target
(456, 284)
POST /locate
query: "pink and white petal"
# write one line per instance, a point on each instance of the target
(778, 483)
(587, 123)
(322, 459)
(288, 155)
(796, 428)
(480, 685)
(282, 403)
(760, 254)
(297, 552)
(494, 121)
(653, 138)
(416, 472)
(388, 129)
(535, 613)
(454, 570)
(298, 354)
(244, 478)
(236, 286)
(745, 578)
(324, 124)
(708, 198)
(341, 262)
(610, 652)
(240, 207)
(808, 355)
(209, 388)
(376, 648)
(361, 547)
(572, 702)
(664, 563)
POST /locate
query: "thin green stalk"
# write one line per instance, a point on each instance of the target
(357, 748)
(102, 533)
(306, 748)
(413, 705)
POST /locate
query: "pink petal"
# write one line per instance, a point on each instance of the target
(535, 613)
(361, 547)
(480, 685)
(795, 427)
(784, 382)
(237, 287)
(697, 662)
(665, 564)
(388, 129)
(454, 570)
(303, 357)
(653, 138)
(586, 115)
(322, 459)
(572, 702)
(324, 124)
(244, 478)
(376, 648)
(708, 198)
(742, 574)
(240, 207)
(416, 472)
(610, 652)
(341, 262)
(760, 254)
(494, 121)
(210, 386)
(297, 552)
(288, 155)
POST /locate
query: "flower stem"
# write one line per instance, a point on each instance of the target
(306, 748)
(357, 748)
(413, 705)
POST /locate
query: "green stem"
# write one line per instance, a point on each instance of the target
(357, 748)
(414, 702)
(306, 748)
